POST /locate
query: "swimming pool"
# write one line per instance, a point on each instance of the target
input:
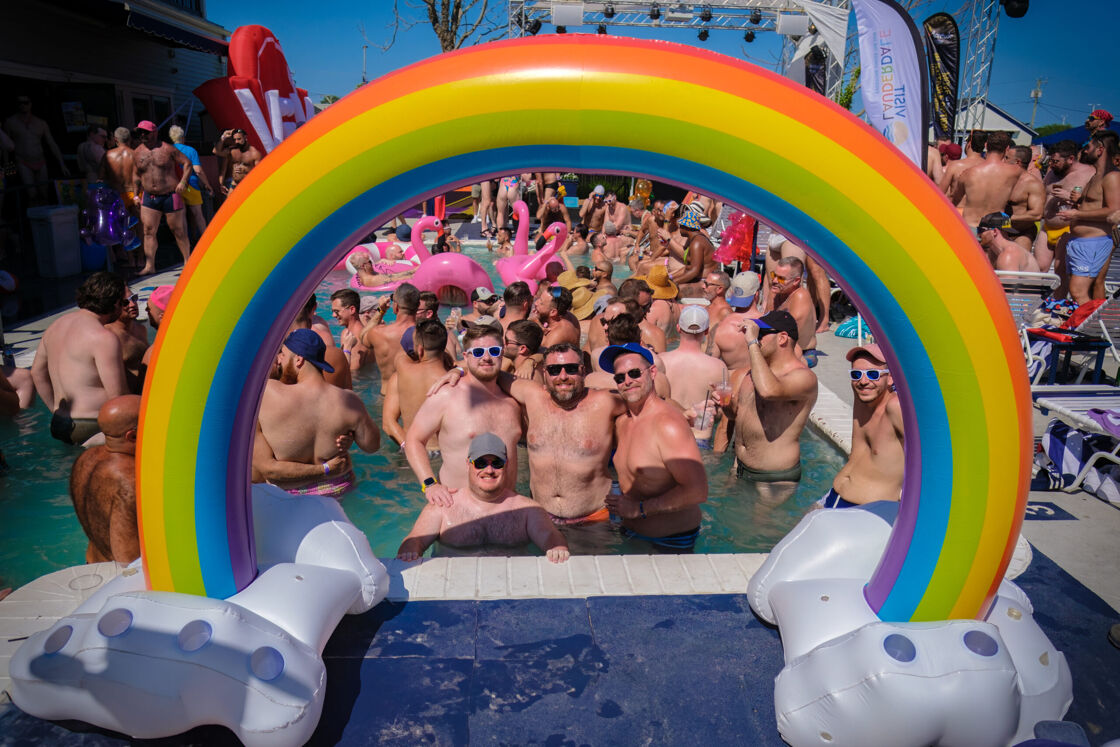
(39, 532)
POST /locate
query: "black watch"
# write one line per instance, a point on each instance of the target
(428, 482)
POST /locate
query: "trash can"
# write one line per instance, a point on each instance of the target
(54, 229)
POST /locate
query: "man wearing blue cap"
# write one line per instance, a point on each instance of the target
(774, 401)
(660, 474)
(302, 418)
(485, 511)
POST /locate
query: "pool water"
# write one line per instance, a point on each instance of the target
(39, 532)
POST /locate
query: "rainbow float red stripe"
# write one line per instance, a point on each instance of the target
(601, 104)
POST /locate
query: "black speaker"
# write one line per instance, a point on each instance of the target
(1015, 8)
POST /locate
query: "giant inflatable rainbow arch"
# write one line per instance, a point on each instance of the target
(585, 103)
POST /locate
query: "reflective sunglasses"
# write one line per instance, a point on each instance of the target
(133, 299)
(873, 374)
(633, 373)
(775, 278)
(493, 350)
(554, 369)
(489, 461)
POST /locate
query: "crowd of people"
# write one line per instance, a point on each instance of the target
(1040, 209)
(613, 390)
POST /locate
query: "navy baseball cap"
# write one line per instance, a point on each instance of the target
(309, 346)
(607, 357)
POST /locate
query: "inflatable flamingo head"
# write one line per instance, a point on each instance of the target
(427, 223)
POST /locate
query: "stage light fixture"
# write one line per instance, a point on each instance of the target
(706, 14)
(654, 12)
(534, 27)
(608, 11)
(756, 17)
(812, 28)
(703, 35)
(1015, 8)
(748, 37)
(602, 28)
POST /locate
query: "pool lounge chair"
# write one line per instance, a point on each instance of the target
(1071, 403)
(1025, 292)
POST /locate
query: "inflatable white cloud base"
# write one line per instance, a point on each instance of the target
(154, 664)
(851, 679)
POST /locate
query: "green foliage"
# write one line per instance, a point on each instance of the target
(848, 92)
(1050, 129)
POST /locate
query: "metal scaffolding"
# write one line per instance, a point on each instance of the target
(978, 21)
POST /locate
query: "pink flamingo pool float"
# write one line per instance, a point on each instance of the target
(530, 268)
(450, 275)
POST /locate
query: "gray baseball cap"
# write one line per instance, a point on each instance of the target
(486, 444)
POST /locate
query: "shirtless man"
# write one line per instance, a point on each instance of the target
(547, 185)
(28, 133)
(409, 385)
(457, 414)
(134, 340)
(661, 478)
(788, 294)
(518, 301)
(651, 335)
(118, 168)
(523, 342)
(873, 471)
(552, 308)
(302, 417)
(78, 366)
(986, 187)
(103, 485)
(622, 328)
(973, 156)
(156, 162)
(996, 233)
(551, 211)
(1027, 198)
(693, 374)
(715, 285)
(1090, 247)
(1064, 184)
(727, 341)
(484, 302)
(594, 209)
(693, 249)
(235, 150)
(91, 151)
(306, 319)
(658, 297)
(344, 308)
(601, 274)
(385, 339)
(373, 275)
(485, 511)
(778, 248)
(773, 406)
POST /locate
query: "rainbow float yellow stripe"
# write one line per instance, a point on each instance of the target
(587, 103)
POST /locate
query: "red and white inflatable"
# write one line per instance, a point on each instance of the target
(258, 95)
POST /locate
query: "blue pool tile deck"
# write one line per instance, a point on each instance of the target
(599, 670)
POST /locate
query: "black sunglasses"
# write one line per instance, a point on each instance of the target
(134, 298)
(491, 461)
(633, 373)
(554, 369)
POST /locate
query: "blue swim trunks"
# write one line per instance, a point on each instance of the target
(832, 499)
(1086, 256)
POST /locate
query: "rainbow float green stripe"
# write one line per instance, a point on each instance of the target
(585, 103)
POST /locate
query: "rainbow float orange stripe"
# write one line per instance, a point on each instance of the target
(742, 133)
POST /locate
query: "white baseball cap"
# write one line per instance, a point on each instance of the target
(599, 190)
(694, 320)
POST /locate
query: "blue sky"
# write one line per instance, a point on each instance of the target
(324, 49)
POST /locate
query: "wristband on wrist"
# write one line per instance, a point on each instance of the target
(461, 371)
(326, 468)
(642, 509)
(753, 342)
